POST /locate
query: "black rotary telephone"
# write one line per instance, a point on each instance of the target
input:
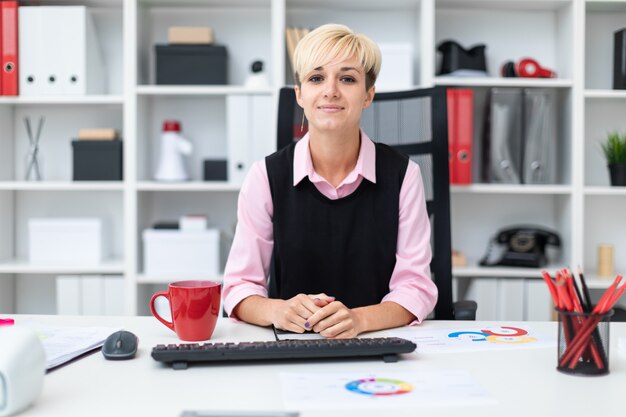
(523, 246)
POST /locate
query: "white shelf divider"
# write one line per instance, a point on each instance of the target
(200, 90)
(18, 266)
(502, 82)
(475, 271)
(596, 282)
(167, 278)
(511, 189)
(188, 186)
(62, 185)
(605, 191)
(605, 94)
(63, 100)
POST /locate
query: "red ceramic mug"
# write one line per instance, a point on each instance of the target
(195, 307)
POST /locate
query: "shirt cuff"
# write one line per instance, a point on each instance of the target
(415, 305)
(236, 297)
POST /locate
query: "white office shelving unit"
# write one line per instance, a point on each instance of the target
(603, 205)
(580, 205)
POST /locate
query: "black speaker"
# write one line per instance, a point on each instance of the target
(619, 60)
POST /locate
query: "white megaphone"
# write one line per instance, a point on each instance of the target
(173, 148)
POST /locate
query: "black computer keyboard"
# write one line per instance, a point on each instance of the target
(180, 355)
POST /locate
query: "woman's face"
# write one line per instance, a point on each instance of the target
(333, 96)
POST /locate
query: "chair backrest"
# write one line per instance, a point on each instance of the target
(415, 123)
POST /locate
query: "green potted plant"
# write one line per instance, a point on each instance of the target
(614, 149)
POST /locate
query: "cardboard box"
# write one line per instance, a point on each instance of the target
(66, 240)
(178, 253)
(189, 35)
(98, 134)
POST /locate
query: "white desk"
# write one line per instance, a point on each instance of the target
(525, 382)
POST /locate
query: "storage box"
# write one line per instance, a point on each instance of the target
(396, 72)
(179, 253)
(619, 60)
(189, 35)
(96, 160)
(215, 170)
(191, 64)
(72, 241)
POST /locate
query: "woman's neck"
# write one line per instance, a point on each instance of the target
(334, 155)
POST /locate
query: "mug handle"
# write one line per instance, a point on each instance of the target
(154, 312)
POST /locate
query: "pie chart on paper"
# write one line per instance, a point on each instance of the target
(379, 387)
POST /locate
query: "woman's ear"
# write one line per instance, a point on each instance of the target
(298, 92)
(369, 97)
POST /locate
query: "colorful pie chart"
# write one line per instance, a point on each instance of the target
(379, 387)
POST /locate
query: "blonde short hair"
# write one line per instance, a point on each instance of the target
(334, 42)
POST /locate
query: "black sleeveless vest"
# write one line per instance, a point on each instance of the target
(345, 248)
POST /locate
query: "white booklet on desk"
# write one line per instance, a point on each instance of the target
(62, 344)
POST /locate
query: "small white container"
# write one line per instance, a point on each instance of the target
(396, 72)
(66, 240)
(178, 253)
(193, 223)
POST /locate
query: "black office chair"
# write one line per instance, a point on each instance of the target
(415, 123)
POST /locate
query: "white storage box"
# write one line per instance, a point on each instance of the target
(75, 241)
(396, 72)
(181, 253)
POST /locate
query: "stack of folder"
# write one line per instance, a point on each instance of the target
(8, 48)
(520, 137)
(460, 134)
(59, 52)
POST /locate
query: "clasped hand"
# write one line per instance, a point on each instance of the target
(319, 313)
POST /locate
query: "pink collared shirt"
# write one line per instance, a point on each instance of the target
(247, 267)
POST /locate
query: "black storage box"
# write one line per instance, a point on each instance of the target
(619, 60)
(191, 64)
(97, 160)
(215, 170)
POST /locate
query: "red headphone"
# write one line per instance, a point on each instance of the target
(526, 68)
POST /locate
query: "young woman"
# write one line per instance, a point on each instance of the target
(343, 217)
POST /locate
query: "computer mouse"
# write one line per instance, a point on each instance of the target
(120, 345)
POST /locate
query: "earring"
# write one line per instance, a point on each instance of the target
(302, 124)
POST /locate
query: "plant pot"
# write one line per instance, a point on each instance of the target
(618, 174)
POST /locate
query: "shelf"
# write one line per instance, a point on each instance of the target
(188, 186)
(127, 31)
(16, 266)
(500, 271)
(200, 90)
(613, 94)
(166, 279)
(513, 5)
(596, 282)
(63, 100)
(89, 3)
(62, 185)
(605, 191)
(503, 82)
(510, 189)
(203, 3)
(599, 6)
(353, 4)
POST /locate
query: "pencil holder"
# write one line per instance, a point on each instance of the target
(583, 345)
